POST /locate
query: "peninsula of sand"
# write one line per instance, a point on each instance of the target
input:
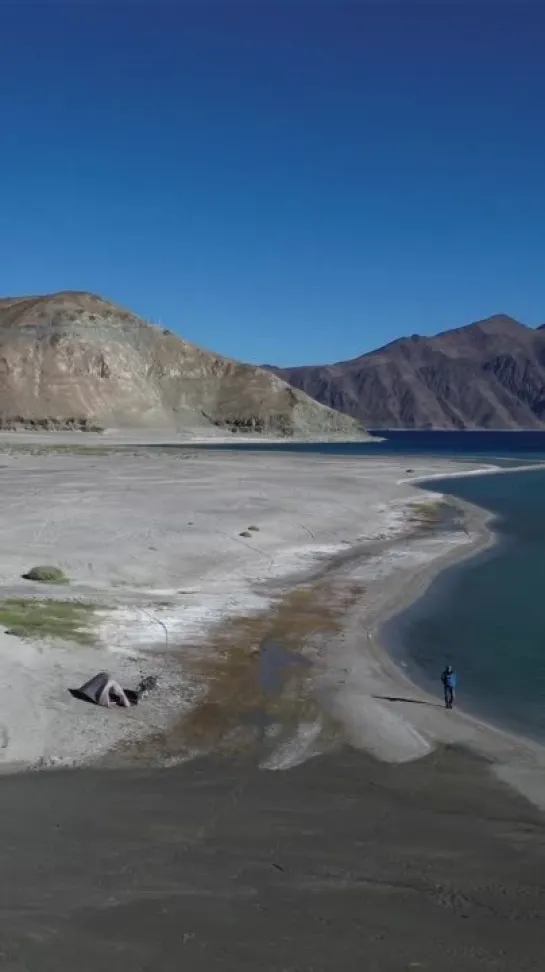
(252, 584)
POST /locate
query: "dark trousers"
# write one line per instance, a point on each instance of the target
(449, 696)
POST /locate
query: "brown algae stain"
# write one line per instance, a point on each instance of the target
(243, 703)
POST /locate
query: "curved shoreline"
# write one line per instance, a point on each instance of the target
(516, 759)
(478, 523)
(415, 588)
(362, 686)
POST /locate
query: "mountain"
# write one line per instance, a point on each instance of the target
(74, 360)
(489, 375)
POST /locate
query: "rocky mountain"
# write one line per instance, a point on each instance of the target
(74, 360)
(489, 375)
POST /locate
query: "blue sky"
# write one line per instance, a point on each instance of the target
(286, 183)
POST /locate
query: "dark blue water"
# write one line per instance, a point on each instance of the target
(487, 616)
(527, 445)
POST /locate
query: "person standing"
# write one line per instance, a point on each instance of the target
(448, 679)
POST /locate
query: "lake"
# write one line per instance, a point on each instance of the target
(486, 616)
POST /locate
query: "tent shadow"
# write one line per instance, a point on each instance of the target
(76, 694)
(81, 697)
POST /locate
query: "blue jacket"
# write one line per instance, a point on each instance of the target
(449, 679)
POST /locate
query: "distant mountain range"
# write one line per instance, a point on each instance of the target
(488, 375)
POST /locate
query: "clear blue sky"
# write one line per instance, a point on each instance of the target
(288, 183)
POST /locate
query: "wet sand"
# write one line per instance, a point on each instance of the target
(341, 863)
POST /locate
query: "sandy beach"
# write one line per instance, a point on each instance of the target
(170, 551)
(202, 568)
(280, 802)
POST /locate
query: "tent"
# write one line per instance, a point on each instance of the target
(102, 689)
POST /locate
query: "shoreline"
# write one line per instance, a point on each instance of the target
(154, 438)
(367, 724)
(416, 587)
(488, 470)
(514, 758)
(307, 741)
(478, 519)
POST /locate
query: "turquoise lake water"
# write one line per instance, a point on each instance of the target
(487, 616)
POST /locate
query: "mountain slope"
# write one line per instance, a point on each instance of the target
(490, 374)
(74, 359)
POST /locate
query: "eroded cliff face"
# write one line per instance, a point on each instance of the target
(74, 360)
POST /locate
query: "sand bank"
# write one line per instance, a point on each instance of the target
(383, 709)
(162, 545)
(113, 438)
(163, 539)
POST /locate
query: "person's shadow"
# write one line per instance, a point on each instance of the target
(400, 698)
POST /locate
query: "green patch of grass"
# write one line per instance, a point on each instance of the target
(46, 574)
(427, 515)
(29, 618)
